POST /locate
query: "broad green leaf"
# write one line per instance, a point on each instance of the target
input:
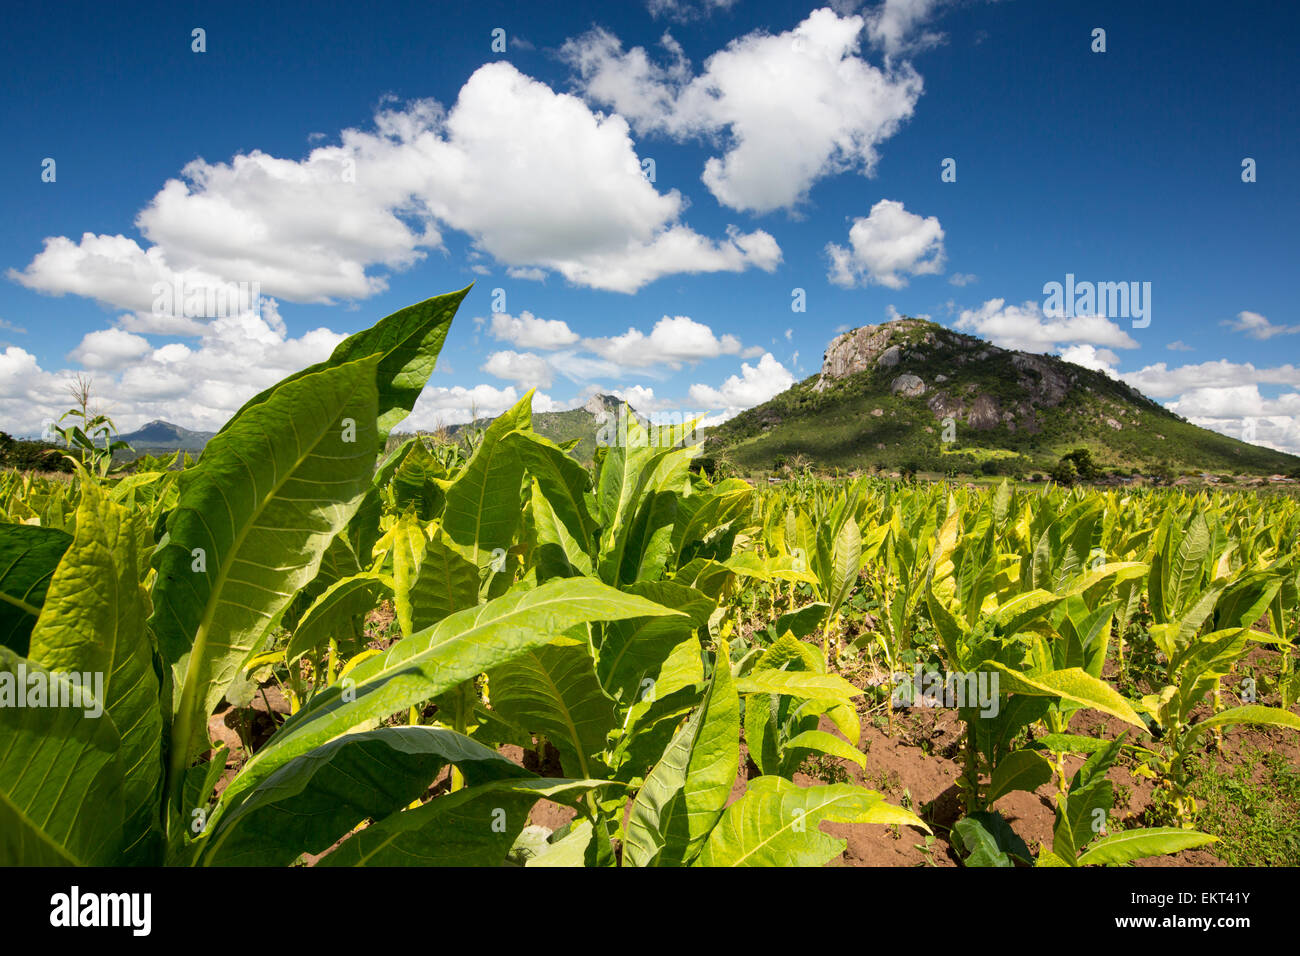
(406, 345)
(446, 583)
(254, 516)
(1015, 615)
(405, 544)
(846, 560)
(1071, 743)
(987, 840)
(1072, 683)
(777, 823)
(1187, 566)
(1019, 770)
(483, 500)
(821, 741)
(552, 690)
(804, 621)
(28, 557)
(798, 684)
(634, 651)
(563, 481)
(93, 621)
(1254, 714)
(683, 797)
(1130, 845)
(475, 826)
(558, 554)
(314, 800)
(60, 775)
(568, 850)
(332, 614)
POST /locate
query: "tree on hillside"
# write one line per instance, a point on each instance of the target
(1065, 471)
(1084, 465)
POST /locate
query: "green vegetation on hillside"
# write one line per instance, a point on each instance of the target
(857, 421)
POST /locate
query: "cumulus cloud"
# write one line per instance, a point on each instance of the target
(754, 385)
(1160, 381)
(789, 108)
(1242, 412)
(522, 368)
(887, 245)
(1225, 397)
(1089, 356)
(642, 398)
(110, 349)
(528, 331)
(1024, 327)
(534, 177)
(962, 278)
(1178, 345)
(673, 341)
(199, 386)
(1257, 326)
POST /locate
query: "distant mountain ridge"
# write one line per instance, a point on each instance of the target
(159, 435)
(914, 393)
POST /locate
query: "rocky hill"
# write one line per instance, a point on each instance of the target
(912, 393)
(164, 436)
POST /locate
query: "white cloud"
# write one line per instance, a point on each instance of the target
(893, 25)
(113, 270)
(642, 399)
(1024, 327)
(110, 349)
(528, 331)
(1160, 381)
(962, 278)
(755, 385)
(886, 245)
(197, 387)
(1089, 356)
(1242, 412)
(1225, 397)
(791, 108)
(672, 341)
(1258, 327)
(540, 181)
(522, 368)
(534, 177)
(1178, 345)
(527, 274)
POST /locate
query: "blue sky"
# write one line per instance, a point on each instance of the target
(351, 161)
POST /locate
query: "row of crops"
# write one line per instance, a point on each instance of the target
(680, 644)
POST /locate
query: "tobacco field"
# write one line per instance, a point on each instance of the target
(677, 670)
